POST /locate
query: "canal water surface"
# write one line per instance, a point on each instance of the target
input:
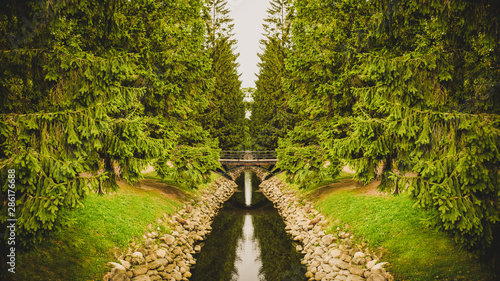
(248, 241)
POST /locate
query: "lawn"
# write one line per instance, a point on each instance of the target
(391, 227)
(102, 228)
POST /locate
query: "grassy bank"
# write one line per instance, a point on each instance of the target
(99, 231)
(391, 227)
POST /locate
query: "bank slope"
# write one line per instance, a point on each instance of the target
(103, 228)
(391, 227)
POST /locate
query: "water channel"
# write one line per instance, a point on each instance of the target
(248, 241)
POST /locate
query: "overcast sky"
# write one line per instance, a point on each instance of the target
(248, 16)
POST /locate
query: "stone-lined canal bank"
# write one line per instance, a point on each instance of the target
(326, 256)
(248, 241)
(170, 256)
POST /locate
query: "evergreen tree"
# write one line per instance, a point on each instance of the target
(271, 115)
(69, 106)
(321, 68)
(406, 92)
(175, 73)
(426, 109)
(225, 114)
(95, 92)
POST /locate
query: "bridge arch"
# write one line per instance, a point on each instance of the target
(263, 163)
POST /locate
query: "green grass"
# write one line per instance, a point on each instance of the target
(414, 251)
(187, 190)
(326, 181)
(107, 224)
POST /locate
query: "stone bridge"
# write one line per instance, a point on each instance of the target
(235, 160)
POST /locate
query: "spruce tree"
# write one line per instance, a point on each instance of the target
(69, 107)
(170, 37)
(404, 92)
(271, 115)
(96, 92)
(225, 114)
(424, 119)
(321, 68)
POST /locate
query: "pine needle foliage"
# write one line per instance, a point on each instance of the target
(321, 68)
(93, 92)
(271, 115)
(225, 114)
(406, 92)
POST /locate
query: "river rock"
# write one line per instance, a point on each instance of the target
(168, 239)
(379, 269)
(370, 264)
(148, 243)
(117, 268)
(125, 264)
(137, 255)
(160, 253)
(177, 275)
(155, 278)
(348, 243)
(140, 270)
(328, 239)
(359, 255)
(376, 277)
(338, 263)
(177, 251)
(356, 270)
(142, 278)
(120, 277)
(355, 278)
(326, 267)
(319, 275)
(157, 263)
(336, 253)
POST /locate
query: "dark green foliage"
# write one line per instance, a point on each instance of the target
(426, 109)
(271, 114)
(95, 92)
(321, 70)
(225, 114)
(406, 92)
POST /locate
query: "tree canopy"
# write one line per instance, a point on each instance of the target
(406, 92)
(271, 116)
(95, 92)
(225, 114)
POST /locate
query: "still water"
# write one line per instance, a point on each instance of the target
(248, 241)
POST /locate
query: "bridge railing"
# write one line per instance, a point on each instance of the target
(248, 155)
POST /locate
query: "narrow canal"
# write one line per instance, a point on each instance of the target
(248, 241)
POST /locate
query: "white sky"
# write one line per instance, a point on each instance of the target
(248, 16)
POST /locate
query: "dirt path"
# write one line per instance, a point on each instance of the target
(348, 185)
(164, 189)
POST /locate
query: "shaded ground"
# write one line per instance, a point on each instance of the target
(164, 189)
(348, 185)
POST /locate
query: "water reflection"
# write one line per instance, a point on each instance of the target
(248, 188)
(248, 262)
(248, 241)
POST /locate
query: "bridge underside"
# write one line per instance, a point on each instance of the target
(238, 162)
(233, 159)
(269, 166)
